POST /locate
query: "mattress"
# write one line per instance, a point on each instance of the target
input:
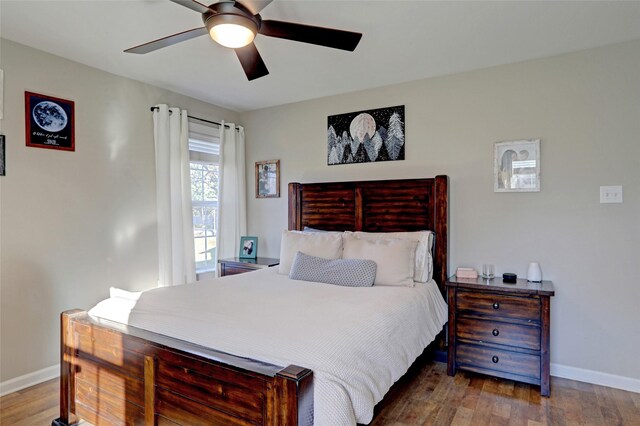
(357, 341)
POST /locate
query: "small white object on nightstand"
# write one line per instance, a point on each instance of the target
(534, 273)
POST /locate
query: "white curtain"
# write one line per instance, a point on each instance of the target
(232, 202)
(173, 187)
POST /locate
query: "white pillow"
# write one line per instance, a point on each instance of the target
(320, 244)
(395, 258)
(423, 271)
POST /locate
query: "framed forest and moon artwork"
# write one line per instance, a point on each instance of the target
(366, 136)
(516, 166)
(268, 179)
(248, 247)
(49, 122)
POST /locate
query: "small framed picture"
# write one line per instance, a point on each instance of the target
(268, 179)
(2, 156)
(49, 122)
(516, 166)
(248, 247)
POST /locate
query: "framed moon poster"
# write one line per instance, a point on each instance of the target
(366, 136)
(49, 122)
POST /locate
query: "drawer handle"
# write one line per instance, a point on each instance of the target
(496, 305)
(495, 359)
(495, 332)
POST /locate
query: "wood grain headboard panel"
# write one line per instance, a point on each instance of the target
(376, 206)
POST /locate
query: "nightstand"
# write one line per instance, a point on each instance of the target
(500, 329)
(237, 265)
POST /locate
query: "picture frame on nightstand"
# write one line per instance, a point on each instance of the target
(248, 248)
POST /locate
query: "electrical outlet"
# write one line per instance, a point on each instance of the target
(611, 194)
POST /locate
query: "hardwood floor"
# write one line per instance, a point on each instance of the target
(427, 396)
(37, 405)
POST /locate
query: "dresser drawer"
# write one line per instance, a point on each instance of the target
(499, 360)
(498, 305)
(234, 270)
(501, 333)
(236, 265)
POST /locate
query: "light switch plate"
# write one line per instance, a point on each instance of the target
(611, 194)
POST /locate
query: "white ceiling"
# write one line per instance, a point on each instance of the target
(402, 41)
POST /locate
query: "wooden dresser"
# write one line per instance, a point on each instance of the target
(500, 329)
(240, 266)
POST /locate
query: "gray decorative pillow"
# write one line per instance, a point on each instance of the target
(344, 272)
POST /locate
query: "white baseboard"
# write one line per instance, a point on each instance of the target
(596, 377)
(18, 383)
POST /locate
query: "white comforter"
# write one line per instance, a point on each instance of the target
(357, 341)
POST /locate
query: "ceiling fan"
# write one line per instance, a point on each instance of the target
(235, 24)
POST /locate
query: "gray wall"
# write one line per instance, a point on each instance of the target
(585, 107)
(75, 223)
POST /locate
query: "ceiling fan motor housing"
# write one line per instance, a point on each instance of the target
(231, 13)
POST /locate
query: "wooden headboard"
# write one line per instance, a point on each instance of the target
(376, 206)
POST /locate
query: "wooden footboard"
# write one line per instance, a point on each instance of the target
(112, 374)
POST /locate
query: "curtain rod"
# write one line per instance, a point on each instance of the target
(153, 108)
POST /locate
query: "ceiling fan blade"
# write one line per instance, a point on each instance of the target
(251, 61)
(168, 41)
(193, 5)
(337, 39)
(255, 6)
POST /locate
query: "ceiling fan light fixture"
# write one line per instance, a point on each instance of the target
(231, 30)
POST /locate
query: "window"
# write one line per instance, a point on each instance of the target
(204, 158)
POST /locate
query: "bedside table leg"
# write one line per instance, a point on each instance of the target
(451, 332)
(545, 364)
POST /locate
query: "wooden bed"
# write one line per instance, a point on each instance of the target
(113, 374)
